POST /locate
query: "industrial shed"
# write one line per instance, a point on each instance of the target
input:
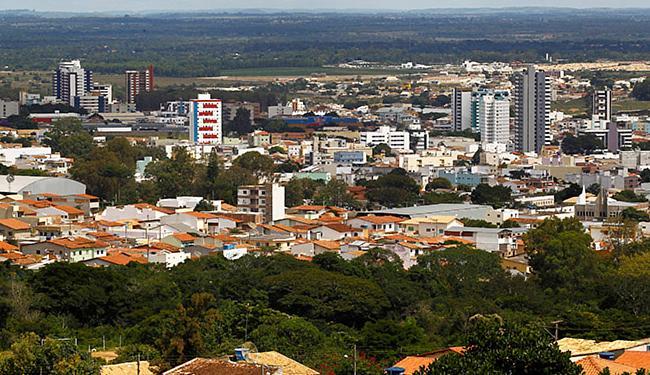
(39, 185)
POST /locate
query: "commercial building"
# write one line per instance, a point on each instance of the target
(267, 199)
(138, 81)
(601, 104)
(461, 111)
(399, 140)
(9, 108)
(491, 115)
(532, 110)
(91, 103)
(105, 90)
(205, 120)
(71, 80)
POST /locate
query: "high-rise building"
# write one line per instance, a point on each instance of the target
(461, 102)
(205, 120)
(532, 110)
(601, 104)
(105, 90)
(137, 82)
(491, 115)
(71, 80)
(266, 199)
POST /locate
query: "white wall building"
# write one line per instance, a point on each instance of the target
(205, 120)
(493, 117)
(399, 140)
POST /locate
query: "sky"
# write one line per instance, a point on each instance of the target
(188, 5)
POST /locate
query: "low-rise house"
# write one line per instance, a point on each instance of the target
(66, 213)
(376, 223)
(73, 249)
(205, 366)
(429, 226)
(413, 363)
(335, 232)
(501, 240)
(115, 259)
(14, 230)
(169, 258)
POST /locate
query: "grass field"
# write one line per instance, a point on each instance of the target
(306, 71)
(630, 105)
(571, 107)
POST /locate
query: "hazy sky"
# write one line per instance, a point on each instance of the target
(140, 5)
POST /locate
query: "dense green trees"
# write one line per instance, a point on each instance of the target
(493, 348)
(582, 144)
(495, 196)
(641, 90)
(438, 183)
(68, 137)
(395, 189)
(315, 311)
(629, 196)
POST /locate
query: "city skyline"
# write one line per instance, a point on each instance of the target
(365, 5)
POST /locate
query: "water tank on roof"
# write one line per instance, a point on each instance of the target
(240, 354)
(394, 371)
(607, 355)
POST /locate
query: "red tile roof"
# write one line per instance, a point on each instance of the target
(14, 224)
(78, 243)
(634, 359)
(596, 365)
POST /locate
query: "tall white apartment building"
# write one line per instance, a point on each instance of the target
(267, 199)
(205, 120)
(532, 110)
(71, 80)
(601, 104)
(493, 117)
(461, 111)
(399, 140)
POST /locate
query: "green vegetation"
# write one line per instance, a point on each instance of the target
(629, 196)
(641, 90)
(315, 311)
(582, 144)
(496, 196)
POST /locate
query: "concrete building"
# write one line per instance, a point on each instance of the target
(205, 120)
(601, 104)
(71, 80)
(39, 185)
(9, 108)
(137, 82)
(491, 115)
(399, 140)
(532, 110)
(267, 199)
(461, 113)
(105, 90)
(91, 103)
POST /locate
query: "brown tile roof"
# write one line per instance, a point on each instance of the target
(87, 196)
(4, 246)
(78, 243)
(200, 215)
(341, 228)
(634, 359)
(205, 366)
(122, 259)
(596, 365)
(306, 207)
(184, 237)
(381, 219)
(329, 245)
(70, 210)
(14, 224)
(149, 206)
(411, 364)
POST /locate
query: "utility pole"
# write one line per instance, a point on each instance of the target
(557, 331)
(355, 360)
(138, 365)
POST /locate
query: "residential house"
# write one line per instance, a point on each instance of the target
(14, 230)
(73, 249)
(116, 259)
(429, 226)
(335, 232)
(499, 240)
(376, 223)
(204, 366)
(413, 363)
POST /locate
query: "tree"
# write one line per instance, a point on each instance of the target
(382, 148)
(593, 189)
(300, 189)
(561, 255)
(175, 176)
(433, 197)
(204, 205)
(573, 190)
(641, 90)
(395, 189)
(477, 223)
(496, 196)
(633, 214)
(438, 183)
(582, 144)
(33, 355)
(261, 166)
(68, 137)
(105, 175)
(241, 123)
(493, 348)
(629, 196)
(335, 193)
(631, 283)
